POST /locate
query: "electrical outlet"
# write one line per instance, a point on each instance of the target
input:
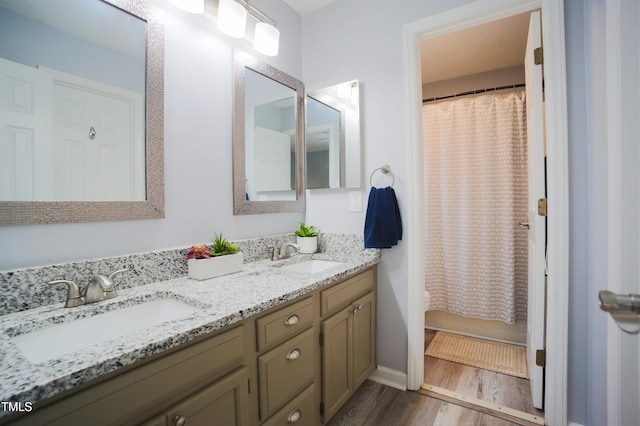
(355, 201)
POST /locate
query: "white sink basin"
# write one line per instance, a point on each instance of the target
(312, 266)
(58, 340)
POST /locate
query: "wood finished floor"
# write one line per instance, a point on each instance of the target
(376, 404)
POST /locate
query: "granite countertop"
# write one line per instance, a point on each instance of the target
(221, 301)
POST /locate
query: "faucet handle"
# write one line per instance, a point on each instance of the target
(274, 251)
(111, 275)
(74, 298)
(108, 285)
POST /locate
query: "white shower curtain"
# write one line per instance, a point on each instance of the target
(475, 152)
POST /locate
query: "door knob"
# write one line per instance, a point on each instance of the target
(624, 308)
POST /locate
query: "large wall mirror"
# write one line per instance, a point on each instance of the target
(81, 111)
(333, 137)
(268, 139)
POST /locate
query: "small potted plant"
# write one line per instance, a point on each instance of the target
(219, 258)
(307, 238)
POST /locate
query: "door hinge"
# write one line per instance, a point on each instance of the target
(249, 385)
(541, 357)
(542, 207)
(322, 409)
(321, 339)
(538, 56)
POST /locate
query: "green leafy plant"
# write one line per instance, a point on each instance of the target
(220, 246)
(307, 231)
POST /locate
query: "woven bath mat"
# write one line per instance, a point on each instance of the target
(500, 357)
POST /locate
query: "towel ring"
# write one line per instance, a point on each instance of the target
(385, 169)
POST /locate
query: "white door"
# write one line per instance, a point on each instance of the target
(26, 166)
(94, 140)
(273, 160)
(623, 141)
(537, 224)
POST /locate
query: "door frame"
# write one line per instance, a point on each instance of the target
(475, 13)
(616, 86)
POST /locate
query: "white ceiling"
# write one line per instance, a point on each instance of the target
(487, 47)
(307, 6)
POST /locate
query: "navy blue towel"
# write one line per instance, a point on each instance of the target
(382, 226)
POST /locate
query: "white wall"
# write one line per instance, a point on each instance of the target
(198, 155)
(363, 39)
(349, 39)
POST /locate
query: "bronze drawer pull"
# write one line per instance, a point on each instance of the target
(293, 354)
(292, 319)
(294, 416)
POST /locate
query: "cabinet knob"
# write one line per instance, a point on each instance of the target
(292, 319)
(293, 354)
(356, 308)
(179, 420)
(294, 416)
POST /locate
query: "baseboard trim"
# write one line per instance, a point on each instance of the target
(574, 424)
(393, 378)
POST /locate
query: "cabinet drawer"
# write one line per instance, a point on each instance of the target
(284, 371)
(344, 293)
(224, 403)
(301, 411)
(277, 326)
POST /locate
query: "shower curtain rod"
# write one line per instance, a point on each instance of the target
(473, 92)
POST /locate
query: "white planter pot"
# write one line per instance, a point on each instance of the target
(307, 244)
(203, 269)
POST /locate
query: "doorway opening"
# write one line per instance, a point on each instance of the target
(476, 210)
(556, 122)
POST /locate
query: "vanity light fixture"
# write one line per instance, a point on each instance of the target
(232, 20)
(266, 39)
(193, 6)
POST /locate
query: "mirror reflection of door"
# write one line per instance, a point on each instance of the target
(325, 145)
(100, 44)
(97, 146)
(270, 139)
(25, 145)
(333, 148)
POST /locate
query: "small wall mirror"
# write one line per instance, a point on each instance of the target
(333, 137)
(81, 111)
(268, 139)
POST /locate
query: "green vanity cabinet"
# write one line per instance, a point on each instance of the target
(348, 339)
(176, 378)
(295, 363)
(224, 402)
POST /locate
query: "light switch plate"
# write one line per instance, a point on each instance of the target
(355, 201)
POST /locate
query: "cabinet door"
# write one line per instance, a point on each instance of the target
(337, 361)
(364, 338)
(224, 402)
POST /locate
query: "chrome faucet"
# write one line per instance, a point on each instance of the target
(99, 288)
(284, 251)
